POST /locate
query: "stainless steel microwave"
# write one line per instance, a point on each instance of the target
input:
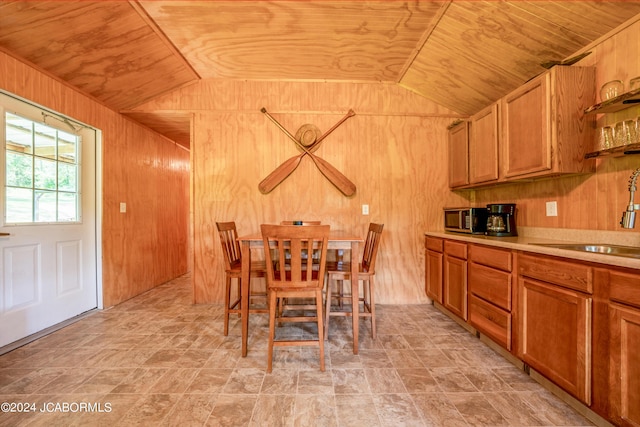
(466, 220)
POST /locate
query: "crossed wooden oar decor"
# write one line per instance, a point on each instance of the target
(308, 139)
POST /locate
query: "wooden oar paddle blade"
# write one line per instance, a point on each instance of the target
(334, 176)
(279, 174)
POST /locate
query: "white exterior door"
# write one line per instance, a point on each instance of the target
(48, 224)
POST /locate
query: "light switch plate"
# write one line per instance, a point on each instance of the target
(123, 207)
(365, 209)
(552, 208)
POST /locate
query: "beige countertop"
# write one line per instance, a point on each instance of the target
(527, 236)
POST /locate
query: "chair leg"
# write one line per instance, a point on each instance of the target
(227, 301)
(320, 326)
(272, 328)
(372, 307)
(327, 309)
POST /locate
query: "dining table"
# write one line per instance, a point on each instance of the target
(337, 240)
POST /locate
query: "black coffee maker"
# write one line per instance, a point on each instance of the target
(501, 219)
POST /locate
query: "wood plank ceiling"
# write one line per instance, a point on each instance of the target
(462, 55)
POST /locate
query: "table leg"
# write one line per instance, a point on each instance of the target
(355, 297)
(244, 292)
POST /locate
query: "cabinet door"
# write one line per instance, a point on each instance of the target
(434, 275)
(556, 335)
(459, 155)
(483, 146)
(455, 286)
(527, 132)
(625, 365)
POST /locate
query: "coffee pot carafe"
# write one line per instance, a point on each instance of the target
(501, 220)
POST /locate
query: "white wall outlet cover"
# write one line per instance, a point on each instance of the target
(365, 209)
(123, 207)
(552, 208)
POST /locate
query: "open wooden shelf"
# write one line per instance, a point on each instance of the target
(615, 151)
(626, 100)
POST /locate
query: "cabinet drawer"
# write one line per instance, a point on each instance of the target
(570, 275)
(434, 244)
(490, 320)
(455, 249)
(624, 288)
(491, 285)
(491, 257)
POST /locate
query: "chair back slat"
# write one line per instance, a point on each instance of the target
(230, 245)
(371, 245)
(285, 246)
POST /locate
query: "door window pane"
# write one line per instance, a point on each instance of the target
(42, 173)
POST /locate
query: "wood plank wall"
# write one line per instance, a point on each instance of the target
(594, 201)
(392, 150)
(148, 245)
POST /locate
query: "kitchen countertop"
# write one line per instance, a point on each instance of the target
(529, 235)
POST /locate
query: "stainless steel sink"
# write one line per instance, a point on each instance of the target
(624, 251)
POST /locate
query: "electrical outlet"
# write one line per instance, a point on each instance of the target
(552, 208)
(365, 209)
(123, 207)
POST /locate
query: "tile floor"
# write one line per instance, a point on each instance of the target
(159, 360)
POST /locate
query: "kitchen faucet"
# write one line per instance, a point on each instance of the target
(629, 216)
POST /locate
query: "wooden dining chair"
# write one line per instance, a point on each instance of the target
(233, 270)
(296, 277)
(340, 271)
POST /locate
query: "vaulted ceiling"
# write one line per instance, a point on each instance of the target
(462, 55)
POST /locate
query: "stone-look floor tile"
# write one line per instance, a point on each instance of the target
(375, 359)
(140, 380)
(418, 380)
(514, 409)
(384, 380)
(223, 359)
(158, 359)
(315, 411)
(554, 410)
(476, 409)
(32, 381)
(191, 410)
(452, 380)
(315, 382)
(356, 410)
(209, 381)
(485, 379)
(434, 358)
(68, 381)
(397, 409)
(150, 409)
(164, 358)
(174, 380)
(273, 410)
(280, 381)
(232, 410)
(244, 381)
(437, 410)
(104, 381)
(350, 381)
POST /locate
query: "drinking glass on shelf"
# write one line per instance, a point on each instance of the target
(630, 132)
(605, 138)
(611, 89)
(634, 83)
(618, 134)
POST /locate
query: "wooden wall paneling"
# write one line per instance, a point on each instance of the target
(139, 247)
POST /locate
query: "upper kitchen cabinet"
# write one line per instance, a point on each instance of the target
(544, 128)
(483, 146)
(459, 155)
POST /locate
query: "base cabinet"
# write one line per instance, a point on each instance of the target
(455, 278)
(555, 322)
(624, 368)
(433, 274)
(491, 293)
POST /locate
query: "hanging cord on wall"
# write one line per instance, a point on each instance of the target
(65, 121)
